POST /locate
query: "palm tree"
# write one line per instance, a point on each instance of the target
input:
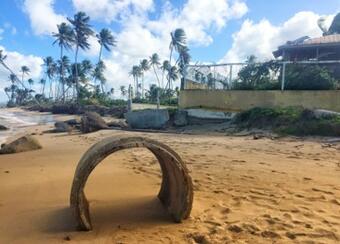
(42, 83)
(14, 89)
(112, 91)
(64, 38)
(154, 61)
(2, 62)
(50, 71)
(183, 60)
(335, 26)
(83, 31)
(144, 66)
(98, 74)
(172, 75)
(64, 68)
(136, 73)
(30, 82)
(106, 40)
(24, 71)
(12, 79)
(178, 41)
(165, 67)
(7, 90)
(123, 90)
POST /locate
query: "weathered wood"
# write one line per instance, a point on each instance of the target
(176, 193)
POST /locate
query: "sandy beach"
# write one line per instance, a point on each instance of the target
(285, 190)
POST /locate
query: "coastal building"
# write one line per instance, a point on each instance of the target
(324, 48)
(305, 48)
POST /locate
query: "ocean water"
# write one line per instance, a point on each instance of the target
(17, 121)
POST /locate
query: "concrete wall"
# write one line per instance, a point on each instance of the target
(241, 100)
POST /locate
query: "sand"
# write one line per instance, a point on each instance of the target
(246, 191)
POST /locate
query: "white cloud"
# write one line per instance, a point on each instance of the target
(15, 60)
(110, 10)
(42, 16)
(262, 38)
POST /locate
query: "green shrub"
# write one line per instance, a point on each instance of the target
(308, 77)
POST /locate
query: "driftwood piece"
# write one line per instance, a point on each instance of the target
(176, 193)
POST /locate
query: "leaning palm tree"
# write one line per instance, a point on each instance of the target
(65, 38)
(83, 31)
(2, 62)
(106, 40)
(335, 26)
(178, 41)
(144, 66)
(154, 62)
(24, 71)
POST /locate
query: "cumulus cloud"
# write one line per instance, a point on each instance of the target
(111, 10)
(42, 16)
(262, 38)
(15, 60)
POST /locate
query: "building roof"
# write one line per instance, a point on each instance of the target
(306, 42)
(323, 40)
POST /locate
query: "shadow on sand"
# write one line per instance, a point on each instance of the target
(143, 212)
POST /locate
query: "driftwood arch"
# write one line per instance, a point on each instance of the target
(176, 193)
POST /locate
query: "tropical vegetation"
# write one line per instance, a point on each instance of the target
(68, 79)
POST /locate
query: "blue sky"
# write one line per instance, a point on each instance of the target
(218, 30)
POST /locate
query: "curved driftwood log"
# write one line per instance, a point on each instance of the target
(176, 193)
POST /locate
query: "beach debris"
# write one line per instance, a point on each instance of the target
(118, 123)
(72, 122)
(2, 127)
(22, 144)
(176, 193)
(147, 119)
(62, 127)
(91, 121)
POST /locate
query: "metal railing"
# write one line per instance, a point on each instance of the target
(222, 76)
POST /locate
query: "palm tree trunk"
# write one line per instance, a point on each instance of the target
(99, 59)
(154, 70)
(143, 86)
(76, 69)
(62, 73)
(11, 71)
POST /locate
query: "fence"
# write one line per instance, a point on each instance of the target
(222, 76)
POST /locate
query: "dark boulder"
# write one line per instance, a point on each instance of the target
(2, 127)
(91, 121)
(22, 144)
